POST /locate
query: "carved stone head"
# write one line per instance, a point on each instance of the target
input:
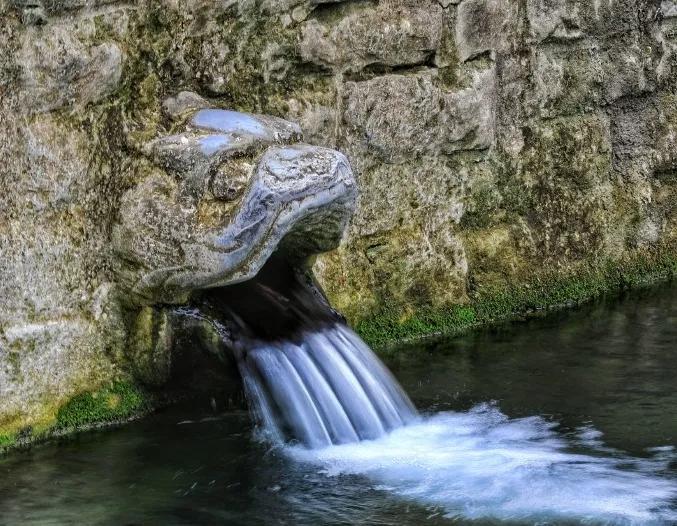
(224, 192)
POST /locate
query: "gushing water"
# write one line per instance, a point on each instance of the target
(346, 415)
(329, 389)
(322, 397)
(481, 464)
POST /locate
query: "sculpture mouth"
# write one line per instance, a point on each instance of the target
(224, 194)
(195, 348)
(299, 204)
(230, 207)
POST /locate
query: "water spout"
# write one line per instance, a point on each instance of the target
(330, 389)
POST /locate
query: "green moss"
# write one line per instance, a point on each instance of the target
(114, 403)
(6, 441)
(543, 292)
(482, 205)
(119, 401)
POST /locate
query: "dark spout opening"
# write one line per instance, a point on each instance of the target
(280, 302)
(205, 338)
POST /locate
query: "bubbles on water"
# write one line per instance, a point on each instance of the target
(483, 465)
(330, 391)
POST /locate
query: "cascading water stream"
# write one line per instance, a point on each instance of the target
(332, 403)
(323, 398)
(328, 389)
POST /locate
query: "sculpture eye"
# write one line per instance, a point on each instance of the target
(231, 179)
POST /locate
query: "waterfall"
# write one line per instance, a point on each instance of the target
(308, 378)
(338, 409)
(328, 389)
(317, 390)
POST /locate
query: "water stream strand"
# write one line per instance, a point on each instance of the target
(333, 406)
(330, 389)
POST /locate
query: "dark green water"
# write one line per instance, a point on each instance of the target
(602, 378)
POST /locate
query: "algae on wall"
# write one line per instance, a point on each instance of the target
(497, 144)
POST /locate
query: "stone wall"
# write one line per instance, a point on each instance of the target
(493, 141)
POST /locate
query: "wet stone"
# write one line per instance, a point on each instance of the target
(237, 123)
(238, 187)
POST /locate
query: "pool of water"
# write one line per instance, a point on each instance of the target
(570, 419)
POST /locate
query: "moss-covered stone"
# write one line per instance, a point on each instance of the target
(481, 154)
(117, 402)
(149, 346)
(113, 403)
(6, 441)
(544, 291)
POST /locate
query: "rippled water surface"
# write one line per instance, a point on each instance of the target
(567, 420)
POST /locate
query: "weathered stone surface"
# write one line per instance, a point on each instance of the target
(59, 70)
(58, 6)
(395, 116)
(579, 78)
(183, 103)
(178, 236)
(407, 36)
(553, 20)
(398, 251)
(59, 325)
(666, 36)
(484, 26)
(492, 140)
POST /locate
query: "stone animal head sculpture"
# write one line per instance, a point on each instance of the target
(221, 194)
(226, 191)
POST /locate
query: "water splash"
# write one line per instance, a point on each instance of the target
(483, 465)
(346, 415)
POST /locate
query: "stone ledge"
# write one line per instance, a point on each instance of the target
(535, 296)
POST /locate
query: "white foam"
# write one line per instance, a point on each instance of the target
(481, 464)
